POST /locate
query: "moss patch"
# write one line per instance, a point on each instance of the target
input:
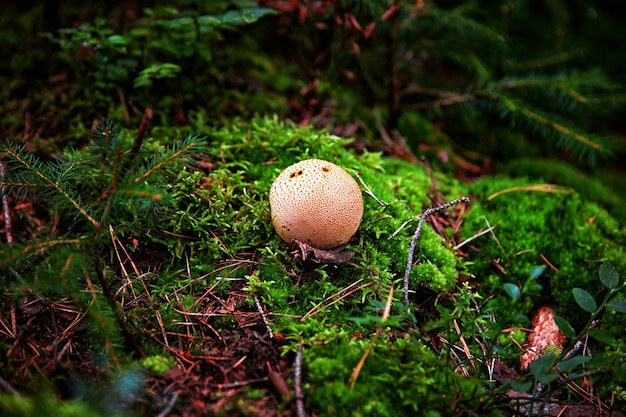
(565, 235)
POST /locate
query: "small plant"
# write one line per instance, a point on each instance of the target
(158, 364)
(115, 179)
(165, 52)
(450, 74)
(558, 367)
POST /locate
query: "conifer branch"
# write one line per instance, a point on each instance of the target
(168, 157)
(51, 183)
(8, 259)
(542, 83)
(551, 60)
(546, 125)
(561, 129)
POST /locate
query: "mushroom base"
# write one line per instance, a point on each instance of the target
(306, 252)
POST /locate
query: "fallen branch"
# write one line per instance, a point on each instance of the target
(416, 236)
(298, 383)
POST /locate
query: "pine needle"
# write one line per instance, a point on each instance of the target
(545, 188)
(357, 369)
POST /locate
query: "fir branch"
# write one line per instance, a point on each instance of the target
(569, 89)
(38, 171)
(561, 129)
(551, 60)
(105, 138)
(469, 28)
(13, 253)
(582, 144)
(539, 83)
(175, 154)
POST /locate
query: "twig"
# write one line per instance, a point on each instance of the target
(399, 229)
(5, 210)
(490, 227)
(263, 316)
(169, 406)
(8, 387)
(297, 380)
(142, 131)
(554, 268)
(369, 192)
(416, 236)
(119, 314)
(341, 294)
(466, 350)
(469, 239)
(446, 101)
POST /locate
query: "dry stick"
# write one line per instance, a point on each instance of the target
(142, 131)
(297, 380)
(5, 210)
(169, 406)
(471, 238)
(341, 294)
(119, 314)
(416, 236)
(263, 316)
(369, 192)
(497, 241)
(4, 384)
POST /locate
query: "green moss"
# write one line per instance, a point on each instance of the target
(400, 377)
(44, 405)
(216, 239)
(534, 228)
(225, 211)
(159, 364)
(556, 172)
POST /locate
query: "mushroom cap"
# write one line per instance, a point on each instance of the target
(316, 202)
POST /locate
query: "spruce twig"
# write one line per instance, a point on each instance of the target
(51, 183)
(416, 237)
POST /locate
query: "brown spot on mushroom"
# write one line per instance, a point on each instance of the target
(316, 202)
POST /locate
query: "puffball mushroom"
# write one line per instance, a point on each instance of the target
(317, 203)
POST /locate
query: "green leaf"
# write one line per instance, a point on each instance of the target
(565, 327)
(512, 290)
(618, 304)
(608, 275)
(602, 337)
(117, 40)
(542, 368)
(250, 15)
(537, 270)
(572, 363)
(521, 385)
(584, 300)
